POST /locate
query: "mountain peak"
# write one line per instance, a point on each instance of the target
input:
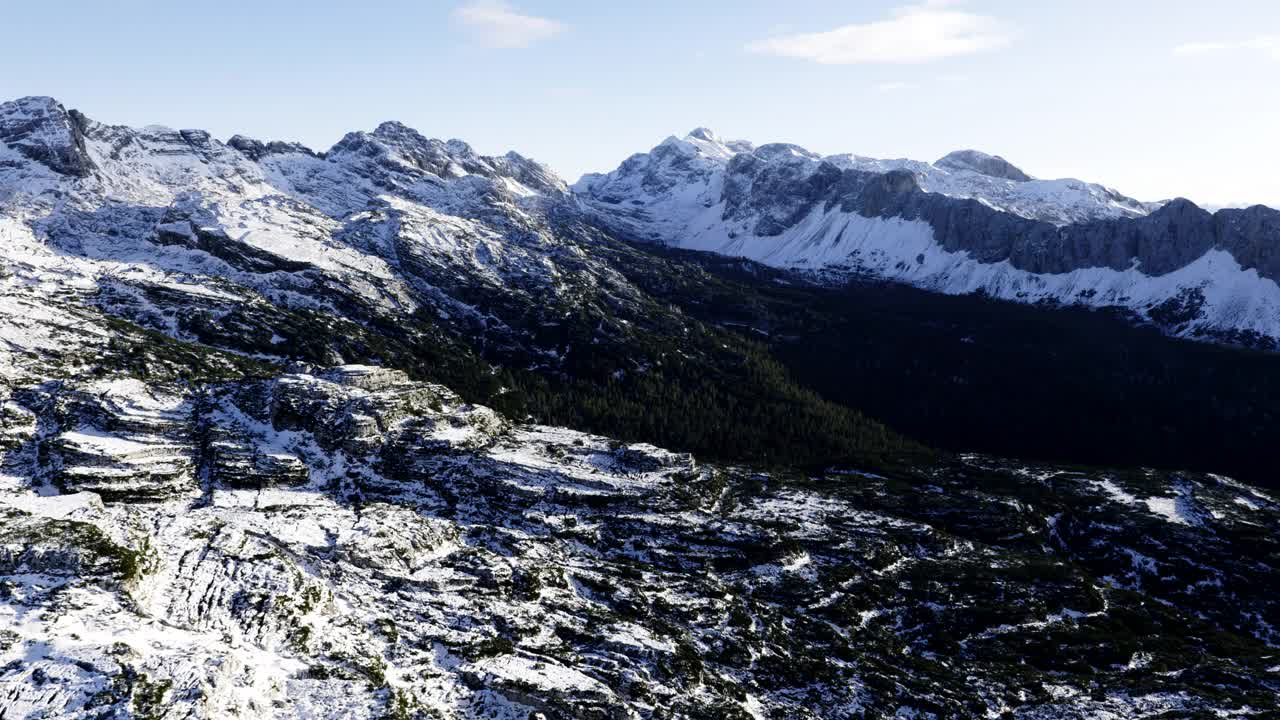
(30, 105)
(983, 164)
(393, 127)
(702, 133)
(1180, 206)
(43, 130)
(706, 136)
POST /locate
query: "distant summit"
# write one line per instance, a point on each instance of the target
(984, 164)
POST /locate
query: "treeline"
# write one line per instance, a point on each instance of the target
(677, 383)
(737, 404)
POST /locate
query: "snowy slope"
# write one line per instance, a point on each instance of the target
(174, 230)
(361, 546)
(968, 223)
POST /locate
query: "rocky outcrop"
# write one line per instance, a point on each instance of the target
(1253, 237)
(256, 149)
(42, 130)
(115, 440)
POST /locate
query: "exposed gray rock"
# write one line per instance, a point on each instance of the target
(1253, 237)
(980, 162)
(117, 440)
(41, 129)
(256, 150)
(61, 549)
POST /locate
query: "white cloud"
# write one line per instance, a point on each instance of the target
(894, 86)
(914, 34)
(497, 24)
(1266, 44)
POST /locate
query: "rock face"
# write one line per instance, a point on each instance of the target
(42, 130)
(970, 222)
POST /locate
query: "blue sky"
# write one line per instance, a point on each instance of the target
(1154, 98)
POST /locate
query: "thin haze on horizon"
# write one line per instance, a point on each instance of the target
(1155, 99)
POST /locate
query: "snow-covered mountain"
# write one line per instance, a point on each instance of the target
(396, 220)
(659, 179)
(177, 231)
(968, 223)
(227, 488)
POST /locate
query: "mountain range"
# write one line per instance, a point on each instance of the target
(402, 430)
(969, 223)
